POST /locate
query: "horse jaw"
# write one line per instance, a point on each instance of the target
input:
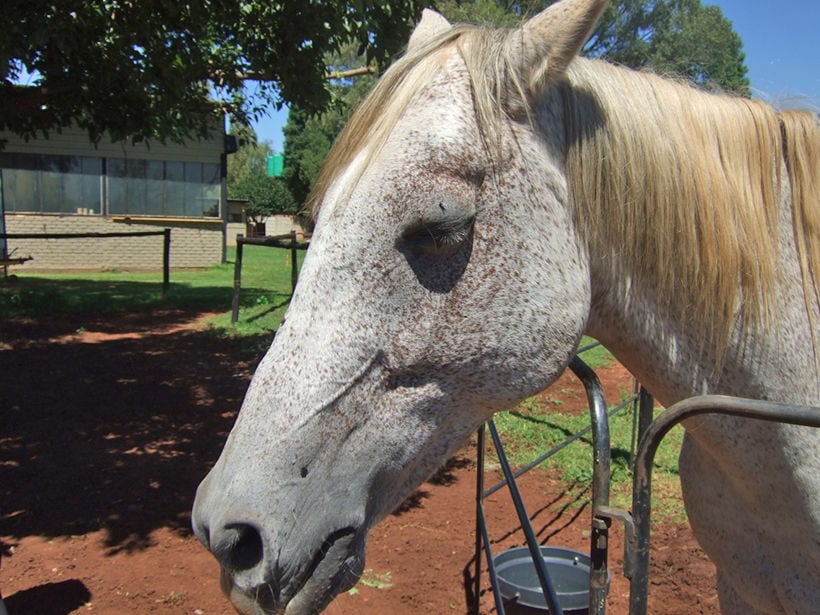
(291, 530)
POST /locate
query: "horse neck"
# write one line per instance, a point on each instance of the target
(768, 359)
(687, 309)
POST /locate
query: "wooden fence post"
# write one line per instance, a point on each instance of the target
(166, 262)
(237, 278)
(294, 272)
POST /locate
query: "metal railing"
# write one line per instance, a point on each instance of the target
(648, 434)
(599, 537)
(636, 557)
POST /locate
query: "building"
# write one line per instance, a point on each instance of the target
(64, 184)
(273, 225)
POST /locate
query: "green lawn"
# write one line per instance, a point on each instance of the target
(265, 291)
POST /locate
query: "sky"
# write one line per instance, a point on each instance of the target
(780, 40)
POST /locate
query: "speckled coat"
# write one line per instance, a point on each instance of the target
(444, 283)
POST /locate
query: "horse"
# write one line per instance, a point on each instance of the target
(493, 198)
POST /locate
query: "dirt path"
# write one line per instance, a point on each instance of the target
(109, 424)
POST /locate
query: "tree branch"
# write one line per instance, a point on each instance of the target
(341, 74)
(353, 72)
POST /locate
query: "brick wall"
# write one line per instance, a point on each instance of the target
(194, 243)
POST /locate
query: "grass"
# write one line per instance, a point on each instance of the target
(173, 598)
(596, 357)
(377, 580)
(264, 298)
(374, 580)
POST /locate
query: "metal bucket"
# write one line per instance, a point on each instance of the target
(518, 582)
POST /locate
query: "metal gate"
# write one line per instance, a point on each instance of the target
(649, 434)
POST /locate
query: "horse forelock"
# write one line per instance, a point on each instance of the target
(370, 125)
(373, 120)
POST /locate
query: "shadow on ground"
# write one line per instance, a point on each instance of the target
(49, 599)
(112, 431)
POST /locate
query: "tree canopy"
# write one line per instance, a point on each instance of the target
(250, 158)
(699, 43)
(265, 196)
(308, 136)
(679, 38)
(152, 68)
(157, 69)
(248, 178)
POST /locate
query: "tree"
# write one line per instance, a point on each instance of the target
(265, 196)
(307, 142)
(672, 37)
(490, 13)
(151, 68)
(251, 158)
(699, 43)
(248, 178)
(308, 137)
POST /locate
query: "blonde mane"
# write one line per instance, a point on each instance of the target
(688, 186)
(685, 186)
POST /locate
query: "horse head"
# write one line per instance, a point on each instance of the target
(445, 280)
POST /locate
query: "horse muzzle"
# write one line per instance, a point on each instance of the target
(262, 578)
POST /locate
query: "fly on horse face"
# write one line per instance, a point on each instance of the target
(494, 198)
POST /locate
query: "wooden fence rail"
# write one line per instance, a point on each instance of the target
(274, 241)
(166, 245)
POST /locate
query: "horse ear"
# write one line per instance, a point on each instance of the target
(548, 42)
(431, 25)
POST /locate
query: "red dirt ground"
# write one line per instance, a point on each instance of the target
(108, 425)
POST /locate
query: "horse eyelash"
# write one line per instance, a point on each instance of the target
(443, 236)
(450, 237)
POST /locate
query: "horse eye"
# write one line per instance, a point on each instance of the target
(442, 237)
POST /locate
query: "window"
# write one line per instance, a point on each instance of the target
(178, 189)
(51, 184)
(40, 183)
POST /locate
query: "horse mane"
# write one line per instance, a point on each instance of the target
(681, 187)
(688, 185)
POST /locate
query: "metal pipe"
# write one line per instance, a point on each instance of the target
(601, 469)
(499, 600)
(642, 481)
(480, 528)
(529, 534)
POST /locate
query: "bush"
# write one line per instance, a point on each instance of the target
(266, 196)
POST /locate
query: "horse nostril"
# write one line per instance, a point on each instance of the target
(238, 547)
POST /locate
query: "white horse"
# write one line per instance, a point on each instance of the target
(491, 200)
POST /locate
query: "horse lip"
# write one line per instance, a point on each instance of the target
(335, 567)
(248, 601)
